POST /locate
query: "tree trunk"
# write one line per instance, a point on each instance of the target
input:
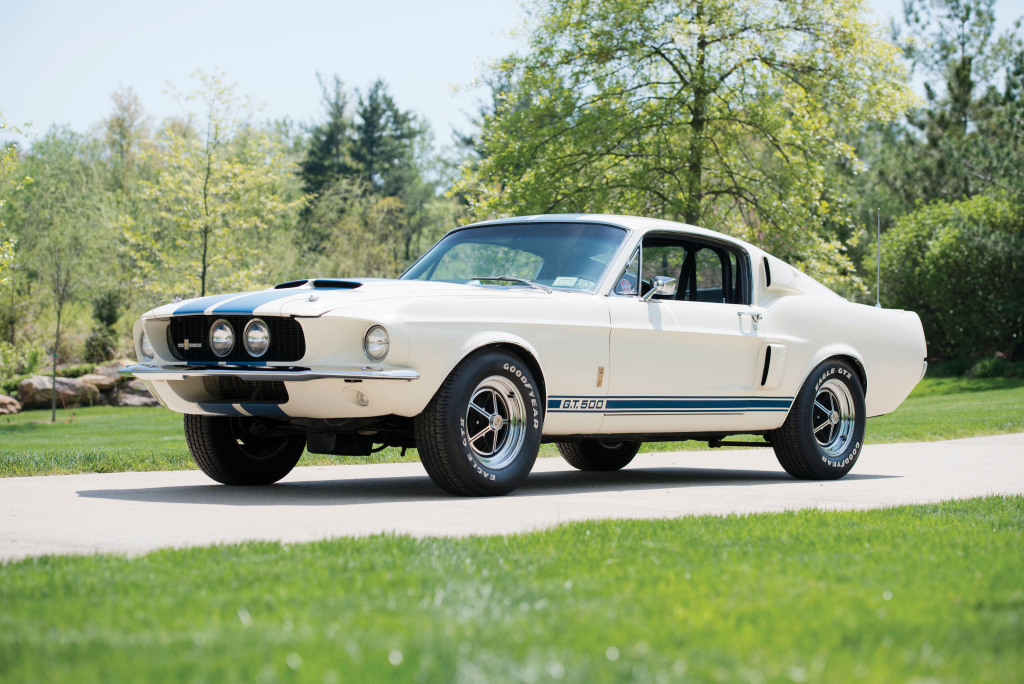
(53, 373)
(695, 160)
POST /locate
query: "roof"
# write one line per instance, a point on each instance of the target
(638, 223)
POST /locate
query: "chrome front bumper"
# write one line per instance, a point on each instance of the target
(265, 373)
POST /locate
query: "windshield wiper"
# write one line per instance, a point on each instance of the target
(513, 279)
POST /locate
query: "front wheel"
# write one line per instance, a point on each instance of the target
(824, 432)
(598, 455)
(241, 451)
(480, 434)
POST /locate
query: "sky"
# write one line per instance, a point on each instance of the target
(60, 60)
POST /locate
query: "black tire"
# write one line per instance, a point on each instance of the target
(480, 434)
(824, 431)
(598, 455)
(240, 451)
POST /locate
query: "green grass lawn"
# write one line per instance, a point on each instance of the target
(106, 439)
(925, 593)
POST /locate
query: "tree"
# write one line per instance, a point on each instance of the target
(221, 191)
(959, 266)
(949, 148)
(384, 148)
(126, 134)
(727, 113)
(329, 149)
(378, 149)
(10, 180)
(64, 222)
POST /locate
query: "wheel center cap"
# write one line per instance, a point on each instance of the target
(834, 417)
(497, 422)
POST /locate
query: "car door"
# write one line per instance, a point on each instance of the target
(685, 359)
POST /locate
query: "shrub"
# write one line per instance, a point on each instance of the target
(960, 266)
(102, 342)
(995, 367)
(76, 371)
(16, 362)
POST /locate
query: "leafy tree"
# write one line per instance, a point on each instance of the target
(727, 113)
(64, 222)
(220, 192)
(10, 180)
(126, 134)
(946, 148)
(959, 266)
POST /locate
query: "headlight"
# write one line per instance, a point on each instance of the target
(222, 337)
(257, 337)
(146, 348)
(376, 343)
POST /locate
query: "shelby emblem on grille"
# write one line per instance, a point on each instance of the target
(188, 339)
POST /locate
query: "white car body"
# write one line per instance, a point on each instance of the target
(607, 364)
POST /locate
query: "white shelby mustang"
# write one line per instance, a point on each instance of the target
(594, 332)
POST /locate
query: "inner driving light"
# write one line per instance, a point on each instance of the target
(376, 343)
(257, 337)
(146, 348)
(222, 337)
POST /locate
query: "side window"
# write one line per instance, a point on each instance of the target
(705, 271)
(664, 259)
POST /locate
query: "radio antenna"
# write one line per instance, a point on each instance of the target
(878, 258)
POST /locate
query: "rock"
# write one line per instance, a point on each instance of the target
(133, 393)
(103, 383)
(121, 398)
(37, 392)
(136, 386)
(112, 369)
(9, 405)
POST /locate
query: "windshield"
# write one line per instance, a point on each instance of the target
(570, 256)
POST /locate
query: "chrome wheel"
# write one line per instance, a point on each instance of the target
(495, 422)
(833, 418)
(480, 433)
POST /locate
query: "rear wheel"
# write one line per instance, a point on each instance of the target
(480, 434)
(824, 432)
(241, 451)
(596, 454)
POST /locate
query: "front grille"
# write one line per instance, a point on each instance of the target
(188, 338)
(236, 390)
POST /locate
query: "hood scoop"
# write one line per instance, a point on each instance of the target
(320, 284)
(330, 283)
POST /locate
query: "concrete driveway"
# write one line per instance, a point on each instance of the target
(134, 513)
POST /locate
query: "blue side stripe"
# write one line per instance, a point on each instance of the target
(245, 305)
(200, 305)
(668, 405)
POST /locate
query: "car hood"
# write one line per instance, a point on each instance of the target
(312, 298)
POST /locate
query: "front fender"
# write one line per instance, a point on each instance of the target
(435, 362)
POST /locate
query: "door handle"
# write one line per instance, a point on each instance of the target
(755, 317)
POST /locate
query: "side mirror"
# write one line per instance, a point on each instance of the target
(658, 286)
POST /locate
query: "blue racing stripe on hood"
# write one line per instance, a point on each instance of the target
(245, 305)
(200, 305)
